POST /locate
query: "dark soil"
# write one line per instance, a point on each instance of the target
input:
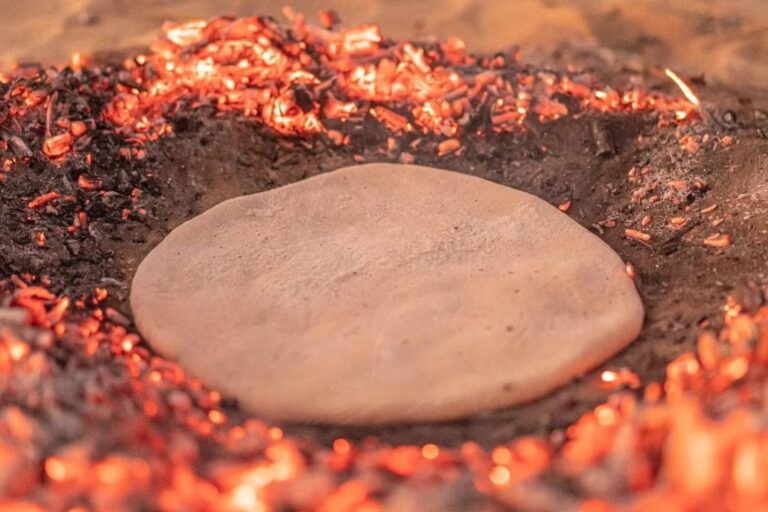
(682, 281)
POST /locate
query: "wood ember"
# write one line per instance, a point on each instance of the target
(602, 138)
(718, 240)
(637, 235)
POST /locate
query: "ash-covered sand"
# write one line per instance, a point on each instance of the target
(683, 282)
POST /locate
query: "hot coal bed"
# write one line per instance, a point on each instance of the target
(99, 162)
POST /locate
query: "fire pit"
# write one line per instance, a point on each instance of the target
(99, 162)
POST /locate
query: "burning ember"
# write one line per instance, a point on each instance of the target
(683, 87)
(696, 441)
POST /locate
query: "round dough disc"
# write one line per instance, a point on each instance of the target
(385, 293)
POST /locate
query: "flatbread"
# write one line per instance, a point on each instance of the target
(385, 293)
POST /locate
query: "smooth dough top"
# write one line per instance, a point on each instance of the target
(385, 293)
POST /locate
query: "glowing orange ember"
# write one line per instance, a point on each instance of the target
(637, 235)
(43, 200)
(683, 86)
(57, 145)
(718, 240)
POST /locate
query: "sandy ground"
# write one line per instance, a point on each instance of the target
(726, 40)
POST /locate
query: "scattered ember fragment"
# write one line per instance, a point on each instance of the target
(677, 221)
(564, 206)
(615, 379)
(43, 200)
(309, 81)
(88, 184)
(637, 235)
(430, 451)
(718, 240)
(500, 475)
(690, 144)
(679, 185)
(78, 60)
(77, 128)
(448, 146)
(687, 92)
(57, 145)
